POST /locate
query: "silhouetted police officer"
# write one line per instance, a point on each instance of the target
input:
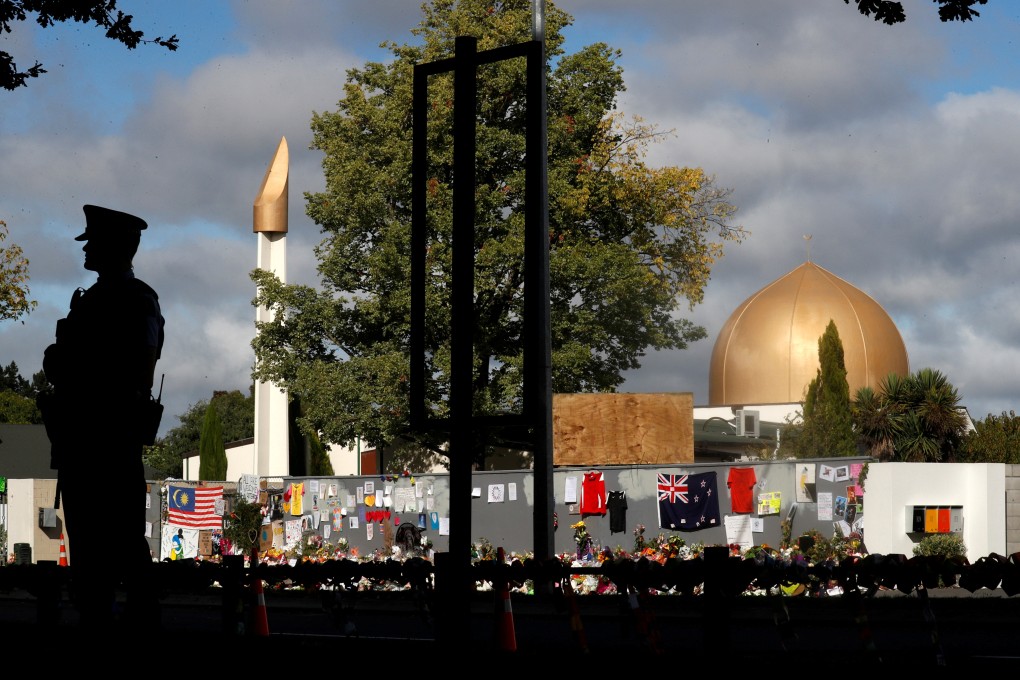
(99, 417)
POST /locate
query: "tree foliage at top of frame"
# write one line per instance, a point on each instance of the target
(630, 243)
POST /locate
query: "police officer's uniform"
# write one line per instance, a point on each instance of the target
(101, 368)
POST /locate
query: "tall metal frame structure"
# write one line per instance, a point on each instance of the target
(454, 568)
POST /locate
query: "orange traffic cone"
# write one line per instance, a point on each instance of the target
(507, 634)
(63, 552)
(261, 623)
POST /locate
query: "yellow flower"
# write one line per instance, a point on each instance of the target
(579, 525)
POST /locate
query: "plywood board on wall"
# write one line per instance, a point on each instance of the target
(623, 428)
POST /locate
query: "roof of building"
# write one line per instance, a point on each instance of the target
(716, 438)
(25, 452)
(767, 351)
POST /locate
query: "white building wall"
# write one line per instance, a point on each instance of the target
(241, 460)
(22, 519)
(24, 498)
(346, 460)
(980, 488)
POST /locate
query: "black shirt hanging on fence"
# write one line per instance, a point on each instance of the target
(617, 505)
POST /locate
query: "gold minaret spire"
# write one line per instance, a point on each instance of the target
(269, 212)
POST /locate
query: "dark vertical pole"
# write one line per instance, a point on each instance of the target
(232, 582)
(453, 569)
(419, 243)
(462, 323)
(538, 347)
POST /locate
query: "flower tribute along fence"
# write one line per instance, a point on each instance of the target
(610, 602)
(715, 570)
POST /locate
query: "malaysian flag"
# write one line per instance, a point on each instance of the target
(688, 502)
(194, 507)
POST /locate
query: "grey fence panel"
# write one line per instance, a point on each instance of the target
(502, 505)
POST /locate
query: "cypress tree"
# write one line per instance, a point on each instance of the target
(212, 453)
(319, 463)
(828, 425)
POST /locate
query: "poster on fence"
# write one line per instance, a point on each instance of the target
(738, 531)
(248, 488)
(292, 533)
(177, 543)
(805, 482)
(769, 503)
(825, 506)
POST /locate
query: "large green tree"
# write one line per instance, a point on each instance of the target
(891, 11)
(11, 380)
(46, 13)
(827, 428)
(996, 439)
(18, 410)
(629, 244)
(17, 396)
(914, 418)
(237, 419)
(14, 291)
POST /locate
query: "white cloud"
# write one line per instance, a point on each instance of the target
(896, 148)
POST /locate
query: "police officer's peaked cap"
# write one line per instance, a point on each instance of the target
(105, 222)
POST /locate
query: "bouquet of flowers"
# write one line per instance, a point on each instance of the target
(584, 541)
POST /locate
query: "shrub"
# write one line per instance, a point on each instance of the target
(244, 526)
(818, 549)
(941, 545)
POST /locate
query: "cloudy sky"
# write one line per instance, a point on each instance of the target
(897, 148)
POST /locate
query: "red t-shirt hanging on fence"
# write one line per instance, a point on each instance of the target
(593, 493)
(741, 482)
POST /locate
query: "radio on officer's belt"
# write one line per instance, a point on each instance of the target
(152, 415)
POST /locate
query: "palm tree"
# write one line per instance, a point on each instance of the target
(914, 444)
(873, 422)
(938, 406)
(916, 418)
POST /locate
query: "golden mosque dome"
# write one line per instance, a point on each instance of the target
(767, 352)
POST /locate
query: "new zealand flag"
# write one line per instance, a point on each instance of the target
(688, 502)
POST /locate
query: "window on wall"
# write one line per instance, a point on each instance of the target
(747, 423)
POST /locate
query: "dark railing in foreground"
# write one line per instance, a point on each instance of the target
(713, 573)
(651, 605)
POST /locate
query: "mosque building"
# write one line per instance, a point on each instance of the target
(766, 355)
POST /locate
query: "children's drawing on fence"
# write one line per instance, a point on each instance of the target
(176, 543)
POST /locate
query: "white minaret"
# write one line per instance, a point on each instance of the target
(269, 212)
